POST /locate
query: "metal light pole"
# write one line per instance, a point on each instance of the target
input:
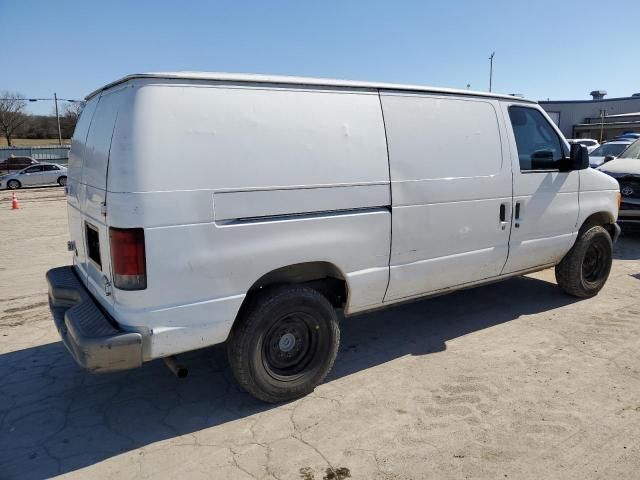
(491, 70)
(55, 98)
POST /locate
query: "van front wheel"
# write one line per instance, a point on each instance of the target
(585, 268)
(284, 343)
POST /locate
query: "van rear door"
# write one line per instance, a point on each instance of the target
(74, 185)
(91, 198)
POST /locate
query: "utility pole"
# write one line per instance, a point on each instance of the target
(55, 98)
(603, 113)
(491, 70)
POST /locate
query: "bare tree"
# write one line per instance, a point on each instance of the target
(70, 117)
(12, 113)
(73, 110)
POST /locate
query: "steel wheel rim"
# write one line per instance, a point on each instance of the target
(290, 346)
(594, 263)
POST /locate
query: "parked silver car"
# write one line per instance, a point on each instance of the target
(41, 174)
(607, 152)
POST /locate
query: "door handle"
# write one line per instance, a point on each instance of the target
(517, 215)
(503, 216)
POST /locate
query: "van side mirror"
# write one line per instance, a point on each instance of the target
(608, 158)
(579, 157)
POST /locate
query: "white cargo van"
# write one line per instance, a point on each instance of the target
(208, 208)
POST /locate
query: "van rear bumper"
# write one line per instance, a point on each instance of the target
(89, 335)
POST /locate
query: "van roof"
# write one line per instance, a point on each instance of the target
(287, 80)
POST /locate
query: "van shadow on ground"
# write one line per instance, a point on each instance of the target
(54, 418)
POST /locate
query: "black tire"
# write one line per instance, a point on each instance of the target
(284, 343)
(585, 268)
(62, 181)
(13, 184)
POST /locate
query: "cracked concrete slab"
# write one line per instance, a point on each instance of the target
(512, 380)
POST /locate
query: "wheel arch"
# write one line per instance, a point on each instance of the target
(322, 276)
(603, 219)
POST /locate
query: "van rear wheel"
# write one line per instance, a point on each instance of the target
(284, 343)
(585, 268)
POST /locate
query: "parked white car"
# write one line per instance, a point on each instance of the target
(590, 143)
(40, 174)
(607, 152)
(298, 197)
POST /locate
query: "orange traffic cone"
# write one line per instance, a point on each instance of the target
(14, 203)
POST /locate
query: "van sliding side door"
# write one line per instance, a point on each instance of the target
(451, 191)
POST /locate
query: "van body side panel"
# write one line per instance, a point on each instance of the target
(449, 181)
(232, 183)
(222, 138)
(204, 270)
(598, 193)
(265, 203)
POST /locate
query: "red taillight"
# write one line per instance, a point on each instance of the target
(128, 258)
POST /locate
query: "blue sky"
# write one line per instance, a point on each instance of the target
(544, 49)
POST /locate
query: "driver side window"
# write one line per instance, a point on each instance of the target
(539, 147)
